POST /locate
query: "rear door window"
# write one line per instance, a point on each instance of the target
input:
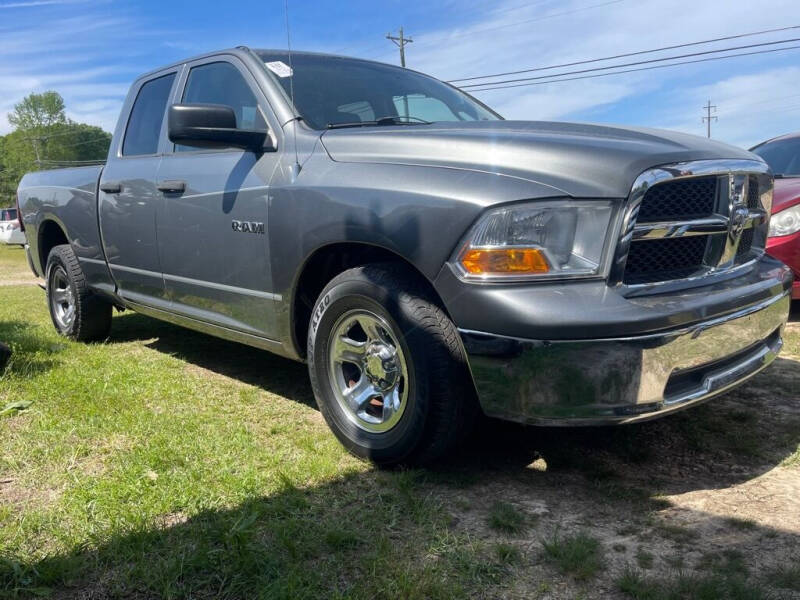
(147, 115)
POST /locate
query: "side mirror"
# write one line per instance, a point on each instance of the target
(212, 126)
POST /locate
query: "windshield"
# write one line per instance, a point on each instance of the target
(782, 156)
(8, 214)
(332, 90)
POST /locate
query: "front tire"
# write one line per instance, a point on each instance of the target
(76, 312)
(387, 367)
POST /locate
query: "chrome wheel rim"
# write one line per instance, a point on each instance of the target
(62, 299)
(368, 371)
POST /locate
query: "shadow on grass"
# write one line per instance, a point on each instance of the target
(368, 535)
(268, 371)
(30, 353)
(731, 439)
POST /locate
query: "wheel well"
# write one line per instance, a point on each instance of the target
(50, 236)
(325, 264)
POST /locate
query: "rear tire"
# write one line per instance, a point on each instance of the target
(387, 367)
(76, 312)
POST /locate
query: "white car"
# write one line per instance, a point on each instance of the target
(10, 232)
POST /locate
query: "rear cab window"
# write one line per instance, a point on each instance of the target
(147, 116)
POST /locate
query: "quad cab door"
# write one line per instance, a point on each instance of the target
(128, 200)
(212, 222)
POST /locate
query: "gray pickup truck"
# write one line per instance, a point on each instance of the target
(428, 259)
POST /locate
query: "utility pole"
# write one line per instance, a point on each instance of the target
(34, 143)
(400, 42)
(708, 118)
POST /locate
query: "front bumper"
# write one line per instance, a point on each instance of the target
(625, 379)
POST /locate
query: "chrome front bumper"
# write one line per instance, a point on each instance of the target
(622, 380)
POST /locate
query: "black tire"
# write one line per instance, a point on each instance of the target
(440, 406)
(91, 320)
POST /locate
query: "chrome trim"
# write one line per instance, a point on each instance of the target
(737, 171)
(222, 287)
(664, 229)
(197, 282)
(203, 327)
(621, 380)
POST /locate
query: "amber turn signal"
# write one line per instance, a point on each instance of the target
(504, 261)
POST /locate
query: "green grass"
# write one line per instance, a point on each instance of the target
(741, 524)
(579, 555)
(682, 586)
(507, 554)
(12, 263)
(786, 577)
(507, 518)
(644, 558)
(163, 463)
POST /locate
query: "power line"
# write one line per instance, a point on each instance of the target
(650, 68)
(52, 135)
(640, 52)
(631, 64)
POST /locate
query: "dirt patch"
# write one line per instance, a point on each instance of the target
(19, 281)
(16, 494)
(677, 495)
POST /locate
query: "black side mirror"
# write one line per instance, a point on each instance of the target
(212, 126)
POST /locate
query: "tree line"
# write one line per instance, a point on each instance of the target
(44, 138)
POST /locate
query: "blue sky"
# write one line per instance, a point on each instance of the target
(91, 50)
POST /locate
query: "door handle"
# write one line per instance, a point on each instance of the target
(172, 186)
(111, 187)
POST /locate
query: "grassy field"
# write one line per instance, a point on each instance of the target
(164, 463)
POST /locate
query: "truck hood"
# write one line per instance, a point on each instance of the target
(787, 193)
(580, 160)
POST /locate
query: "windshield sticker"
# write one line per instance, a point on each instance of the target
(280, 68)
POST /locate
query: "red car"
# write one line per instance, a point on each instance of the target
(783, 157)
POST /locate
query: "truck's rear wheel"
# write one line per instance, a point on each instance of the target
(76, 312)
(387, 367)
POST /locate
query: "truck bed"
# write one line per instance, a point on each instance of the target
(64, 196)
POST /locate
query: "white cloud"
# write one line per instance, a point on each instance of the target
(48, 50)
(509, 38)
(750, 108)
(34, 3)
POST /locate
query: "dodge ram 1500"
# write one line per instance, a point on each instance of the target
(427, 258)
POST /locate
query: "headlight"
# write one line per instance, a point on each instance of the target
(551, 239)
(785, 222)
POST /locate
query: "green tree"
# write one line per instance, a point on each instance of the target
(38, 110)
(44, 138)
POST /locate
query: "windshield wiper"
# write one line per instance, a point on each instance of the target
(388, 120)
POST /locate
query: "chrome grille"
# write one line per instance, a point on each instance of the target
(682, 198)
(670, 258)
(745, 243)
(753, 201)
(692, 220)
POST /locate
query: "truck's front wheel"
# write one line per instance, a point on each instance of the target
(76, 312)
(387, 367)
